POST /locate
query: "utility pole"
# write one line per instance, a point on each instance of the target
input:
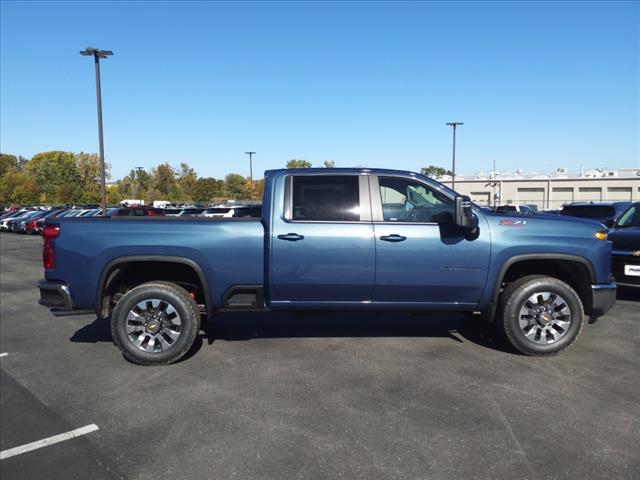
(251, 154)
(97, 55)
(453, 177)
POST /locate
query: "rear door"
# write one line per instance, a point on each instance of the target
(422, 257)
(322, 247)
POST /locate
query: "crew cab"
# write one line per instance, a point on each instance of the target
(330, 239)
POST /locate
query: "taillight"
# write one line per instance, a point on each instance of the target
(31, 225)
(49, 232)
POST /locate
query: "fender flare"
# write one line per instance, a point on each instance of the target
(493, 305)
(112, 264)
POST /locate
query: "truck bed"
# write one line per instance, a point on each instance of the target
(229, 251)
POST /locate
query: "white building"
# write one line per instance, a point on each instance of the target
(549, 190)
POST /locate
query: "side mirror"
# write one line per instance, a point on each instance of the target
(609, 222)
(465, 218)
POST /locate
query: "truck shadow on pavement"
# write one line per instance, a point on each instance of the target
(243, 326)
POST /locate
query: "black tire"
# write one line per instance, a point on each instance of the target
(186, 311)
(515, 297)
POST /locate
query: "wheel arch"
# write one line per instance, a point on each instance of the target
(533, 263)
(115, 266)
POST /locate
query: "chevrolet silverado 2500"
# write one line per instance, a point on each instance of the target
(331, 239)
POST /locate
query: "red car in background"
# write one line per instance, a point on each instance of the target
(141, 211)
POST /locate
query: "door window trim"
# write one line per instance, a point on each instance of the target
(363, 197)
(377, 214)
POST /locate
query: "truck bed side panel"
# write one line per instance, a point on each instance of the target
(229, 252)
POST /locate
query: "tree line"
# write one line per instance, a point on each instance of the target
(59, 177)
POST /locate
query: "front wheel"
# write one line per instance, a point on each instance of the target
(155, 323)
(540, 315)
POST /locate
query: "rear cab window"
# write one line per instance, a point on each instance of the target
(325, 198)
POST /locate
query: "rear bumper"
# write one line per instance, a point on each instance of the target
(603, 298)
(57, 296)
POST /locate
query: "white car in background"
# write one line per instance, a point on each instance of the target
(526, 209)
(234, 211)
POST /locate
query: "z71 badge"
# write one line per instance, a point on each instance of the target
(513, 223)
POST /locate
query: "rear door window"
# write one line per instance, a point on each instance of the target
(329, 198)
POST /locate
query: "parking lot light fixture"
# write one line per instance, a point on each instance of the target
(453, 167)
(97, 55)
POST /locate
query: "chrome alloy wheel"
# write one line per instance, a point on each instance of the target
(545, 318)
(153, 325)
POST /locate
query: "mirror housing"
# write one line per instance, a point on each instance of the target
(465, 219)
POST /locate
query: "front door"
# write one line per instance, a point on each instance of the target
(323, 249)
(421, 256)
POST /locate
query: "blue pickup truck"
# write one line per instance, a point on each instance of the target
(331, 239)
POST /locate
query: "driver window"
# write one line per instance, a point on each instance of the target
(405, 200)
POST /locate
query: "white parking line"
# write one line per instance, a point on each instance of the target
(48, 441)
(3, 354)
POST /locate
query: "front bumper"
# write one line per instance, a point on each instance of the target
(603, 298)
(57, 296)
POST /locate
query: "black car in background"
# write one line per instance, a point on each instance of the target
(625, 256)
(605, 212)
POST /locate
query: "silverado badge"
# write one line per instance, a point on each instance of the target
(636, 253)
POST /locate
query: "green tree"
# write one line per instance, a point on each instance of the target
(435, 171)
(298, 164)
(7, 163)
(236, 186)
(208, 190)
(88, 165)
(17, 187)
(163, 181)
(328, 164)
(55, 173)
(187, 180)
(258, 189)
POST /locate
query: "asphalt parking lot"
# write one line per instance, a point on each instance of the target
(316, 395)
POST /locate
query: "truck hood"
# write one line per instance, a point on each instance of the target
(541, 218)
(625, 238)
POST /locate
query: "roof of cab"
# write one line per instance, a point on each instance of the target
(339, 170)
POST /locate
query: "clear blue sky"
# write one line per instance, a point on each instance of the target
(538, 85)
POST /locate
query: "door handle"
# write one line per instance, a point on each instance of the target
(393, 238)
(292, 237)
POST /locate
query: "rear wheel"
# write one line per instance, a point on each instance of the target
(540, 315)
(155, 323)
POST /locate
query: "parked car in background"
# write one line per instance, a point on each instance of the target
(4, 221)
(172, 212)
(604, 212)
(91, 213)
(191, 212)
(234, 211)
(20, 225)
(625, 256)
(134, 212)
(12, 223)
(35, 226)
(525, 209)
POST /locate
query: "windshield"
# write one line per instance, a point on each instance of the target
(630, 218)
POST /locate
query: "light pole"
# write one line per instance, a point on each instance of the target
(97, 55)
(251, 154)
(453, 177)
